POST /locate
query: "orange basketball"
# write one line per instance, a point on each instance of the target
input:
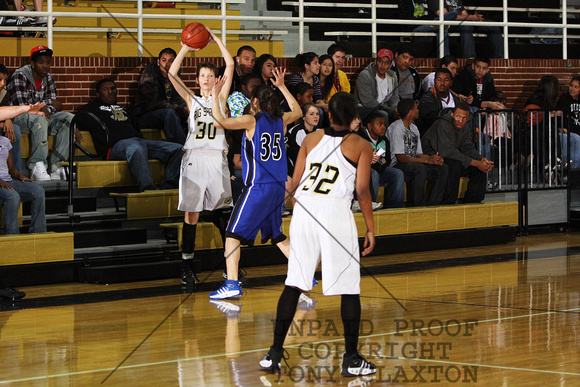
(195, 35)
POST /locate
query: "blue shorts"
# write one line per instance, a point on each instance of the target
(259, 208)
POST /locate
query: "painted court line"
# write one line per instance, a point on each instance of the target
(264, 350)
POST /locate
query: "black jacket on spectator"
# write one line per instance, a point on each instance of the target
(236, 79)
(116, 118)
(156, 92)
(429, 109)
(385, 159)
(465, 84)
(416, 79)
(451, 143)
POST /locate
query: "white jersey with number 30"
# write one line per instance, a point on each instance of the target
(202, 134)
(327, 172)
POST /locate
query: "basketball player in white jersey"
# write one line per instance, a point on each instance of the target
(204, 183)
(330, 165)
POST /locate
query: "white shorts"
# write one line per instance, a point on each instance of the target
(204, 183)
(324, 229)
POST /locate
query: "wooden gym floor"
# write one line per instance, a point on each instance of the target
(506, 315)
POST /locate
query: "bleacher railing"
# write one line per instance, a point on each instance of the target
(528, 151)
(140, 16)
(530, 144)
(549, 162)
(494, 139)
(371, 20)
(440, 24)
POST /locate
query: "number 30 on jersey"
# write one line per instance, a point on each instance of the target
(205, 128)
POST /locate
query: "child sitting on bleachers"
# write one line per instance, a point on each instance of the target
(14, 186)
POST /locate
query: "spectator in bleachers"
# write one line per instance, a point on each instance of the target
(435, 99)
(450, 137)
(14, 186)
(381, 173)
(124, 142)
(245, 60)
(238, 100)
(303, 92)
(326, 76)
(455, 10)
(545, 97)
(37, 21)
(407, 75)
(238, 103)
(296, 131)
(570, 101)
(377, 87)
(264, 67)
(407, 155)
(476, 81)
(296, 134)
(309, 68)
(7, 128)
(158, 105)
(341, 82)
(448, 62)
(28, 85)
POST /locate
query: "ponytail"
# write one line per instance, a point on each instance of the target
(267, 101)
(301, 60)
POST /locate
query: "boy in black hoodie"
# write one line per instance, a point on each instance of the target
(450, 137)
(476, 81)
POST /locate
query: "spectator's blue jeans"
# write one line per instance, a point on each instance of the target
(138, 151)
(39, 128)
(394, 180)
(23, 192)
(16, 151)
(574, 148)
(452, 15)
(467, 41)
(166, 120)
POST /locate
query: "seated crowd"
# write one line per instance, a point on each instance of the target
(419, 129)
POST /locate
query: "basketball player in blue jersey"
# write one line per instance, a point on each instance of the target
(331, 163)
(204, 183)
(264, 170)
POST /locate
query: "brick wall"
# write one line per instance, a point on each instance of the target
(75, 76)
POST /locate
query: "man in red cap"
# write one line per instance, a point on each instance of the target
(31, 84)
(376, 87)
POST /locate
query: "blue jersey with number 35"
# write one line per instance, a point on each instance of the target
(264, 155)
